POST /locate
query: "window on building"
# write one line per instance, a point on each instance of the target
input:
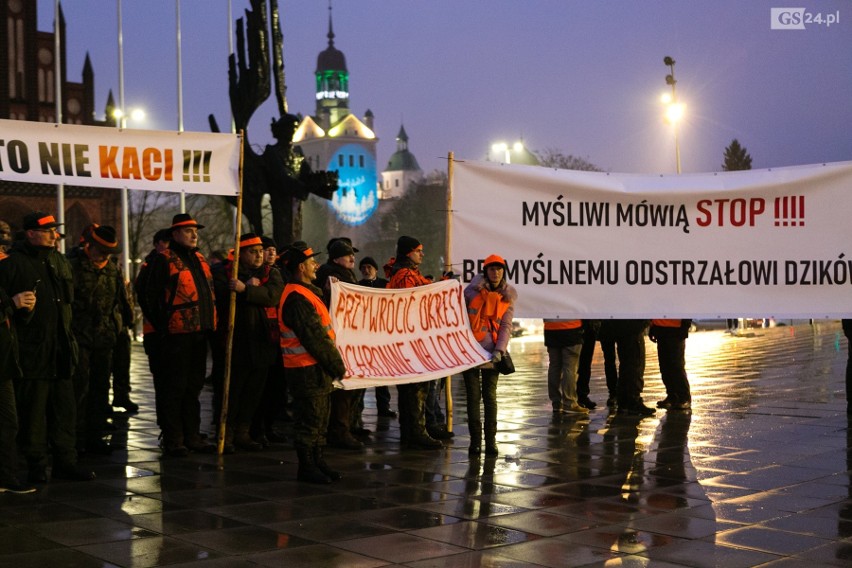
(351, 161)
(360, 161)
(340, 160)
(396, 182)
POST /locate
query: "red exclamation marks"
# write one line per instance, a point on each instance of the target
(790, 211)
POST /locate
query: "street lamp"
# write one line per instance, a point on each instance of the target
(135, 114)
(506, 150)
(674, 109)
(502, 147)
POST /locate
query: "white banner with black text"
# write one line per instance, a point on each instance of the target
(99, 156)
(760, 243)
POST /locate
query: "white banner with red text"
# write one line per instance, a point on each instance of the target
(399, 336)
(98, 156)
(759, 243)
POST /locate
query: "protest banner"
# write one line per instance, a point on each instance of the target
(759, 243)
(399, 336)
(98, 156)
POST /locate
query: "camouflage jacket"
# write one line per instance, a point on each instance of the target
(97, 305)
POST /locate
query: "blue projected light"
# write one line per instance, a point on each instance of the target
(356, 198)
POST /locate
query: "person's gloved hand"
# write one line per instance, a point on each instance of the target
(497, 356)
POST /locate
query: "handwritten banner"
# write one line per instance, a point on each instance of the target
(759, 243)
(389, 337)
(93, 156)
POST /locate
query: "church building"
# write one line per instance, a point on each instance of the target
(28, 92)
(334, 139)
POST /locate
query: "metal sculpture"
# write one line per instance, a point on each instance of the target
(280, 171)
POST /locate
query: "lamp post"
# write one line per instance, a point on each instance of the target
(502, 147)
(674, 110)
(506, 150)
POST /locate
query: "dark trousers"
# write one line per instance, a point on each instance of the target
(630, 349)
(584, 369)
(481, 388)
(342, 404)
(152, 344)
(671, 355)
(273, 401)
(121, 367)
(91, 388)
(47, 414)
(610, 366)
(434, 414)
(383, 399)
(412, 410)
(245, 391)
(8, 433)
(184, 364)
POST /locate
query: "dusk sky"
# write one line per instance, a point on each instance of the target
(584, 78)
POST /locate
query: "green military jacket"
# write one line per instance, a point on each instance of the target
(97, 307)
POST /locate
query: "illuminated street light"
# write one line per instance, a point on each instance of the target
(502, 147)
(674, 109)
(503, 151)
(135, 114)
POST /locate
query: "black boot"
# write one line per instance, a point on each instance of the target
(323, 467)
(475, 438)
(491, 439)
(308, 470)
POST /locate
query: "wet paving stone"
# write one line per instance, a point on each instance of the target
(757, 474)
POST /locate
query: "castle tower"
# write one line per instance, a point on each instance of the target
(402, 169)
(334, 139)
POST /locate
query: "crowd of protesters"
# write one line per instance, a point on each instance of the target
(64, 332)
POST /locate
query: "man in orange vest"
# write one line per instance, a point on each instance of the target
(177, 299)
(670, 336)
(311, 360)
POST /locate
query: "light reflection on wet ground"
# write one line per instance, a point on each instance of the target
(757, 473)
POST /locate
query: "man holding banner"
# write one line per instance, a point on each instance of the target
(311, 361)
(405, 273)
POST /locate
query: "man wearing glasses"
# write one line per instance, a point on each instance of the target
(48, 351)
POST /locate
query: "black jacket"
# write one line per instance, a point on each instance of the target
(255, 334)
(46, 343)
(10, 369)
(328, 270)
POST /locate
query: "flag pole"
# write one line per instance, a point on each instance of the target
(448, 265)
(232, 309)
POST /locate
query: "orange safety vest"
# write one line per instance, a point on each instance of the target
(486, 312)
(292, 350)
(666, 323)
(562, 324)
(182, 296)
(398, 280)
